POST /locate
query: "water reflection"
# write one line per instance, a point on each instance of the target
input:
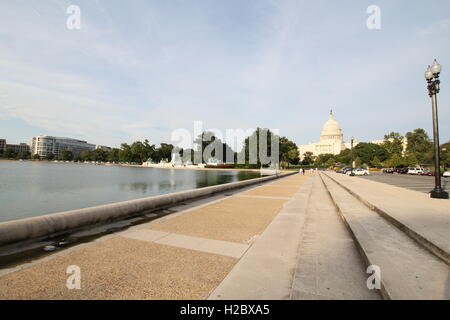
(30, 189)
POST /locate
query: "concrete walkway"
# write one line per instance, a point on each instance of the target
(305, 253)
(280, 240)
(181, 256)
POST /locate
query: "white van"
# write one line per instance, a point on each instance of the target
(415, 171)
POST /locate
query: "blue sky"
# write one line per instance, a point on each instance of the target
(141, 69)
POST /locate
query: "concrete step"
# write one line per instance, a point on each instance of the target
(408, 271)
(328, 263)
(425, 220)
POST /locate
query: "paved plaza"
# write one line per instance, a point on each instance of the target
(299, 237)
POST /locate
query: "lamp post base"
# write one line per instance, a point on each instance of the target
(438, 193)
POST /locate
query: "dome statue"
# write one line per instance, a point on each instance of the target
(331, 130)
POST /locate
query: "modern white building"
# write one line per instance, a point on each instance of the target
(45, 145)
(331, 140)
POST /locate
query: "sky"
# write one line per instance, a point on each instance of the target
(140, 69)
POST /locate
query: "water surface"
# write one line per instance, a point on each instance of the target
(29, 189)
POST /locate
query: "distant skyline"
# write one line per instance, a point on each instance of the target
(140, 69)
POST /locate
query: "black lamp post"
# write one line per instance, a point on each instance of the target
(432, 77)
(353, 157)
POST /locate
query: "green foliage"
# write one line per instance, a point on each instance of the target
(393, 143)
(66, 155)
(419, 148)
(9, 153)
(24, 155)
(376, 162)
(289, 151)
(164, 151)
(113, 155)
(366, 152)
(308, 158)
(345, 157)
(396, 161)
(445, 154)
(330, 162)
(324, 160)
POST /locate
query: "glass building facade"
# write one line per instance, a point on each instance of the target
(45, 145)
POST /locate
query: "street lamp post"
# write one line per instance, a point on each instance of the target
(353, 157)
(432, 77)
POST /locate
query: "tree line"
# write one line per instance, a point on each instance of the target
(391, 153)
(141, 151)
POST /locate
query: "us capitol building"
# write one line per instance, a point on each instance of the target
(331, 140)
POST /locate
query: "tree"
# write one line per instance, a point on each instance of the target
(85, 156)
(376, 162)
(308, 158)
(393, 143)
(396, 161)
(125, 154)
(419, 146)
(113, 155)
(445, 154)
(50, 156)
(289, 151)
(24, 155)
(36, 157)
(99, 155)
(368, 151)
(344, 157)
(9, 153)
(330, 162)
(324, 159)
(165, 151)
(411, 159)
(66, 155)
(358, 162)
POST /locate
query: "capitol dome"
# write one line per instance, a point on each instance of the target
(331, 130)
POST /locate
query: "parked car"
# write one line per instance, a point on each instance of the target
(388, 170)
(360, 172)
(415, 171)
(446, 174)
(347, 169)
(427, 172)
(401, 170)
